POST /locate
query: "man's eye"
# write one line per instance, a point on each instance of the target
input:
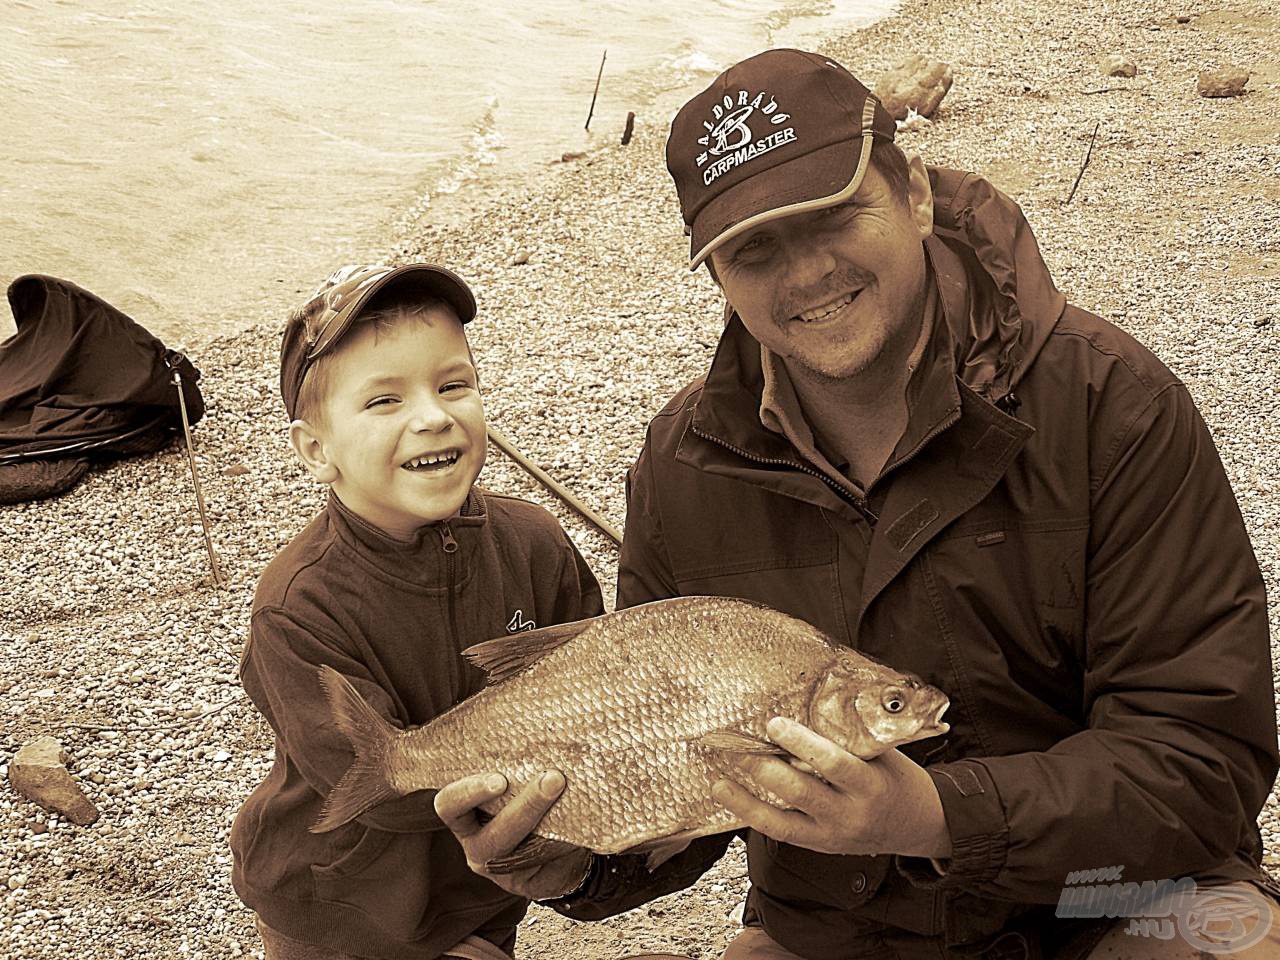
(754, 249)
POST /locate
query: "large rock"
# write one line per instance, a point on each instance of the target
(1114, 65)
(917, 83)
(38, 772)
(1226, 82)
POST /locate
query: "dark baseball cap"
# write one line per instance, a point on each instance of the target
(329, 313)
(780, 133)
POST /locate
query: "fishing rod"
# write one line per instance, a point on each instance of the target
(548, 481)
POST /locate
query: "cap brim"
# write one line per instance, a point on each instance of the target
(822, 178)
(430, 278)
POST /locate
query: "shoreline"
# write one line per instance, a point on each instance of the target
(109, 618)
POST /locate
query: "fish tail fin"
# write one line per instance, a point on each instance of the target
(365, 783)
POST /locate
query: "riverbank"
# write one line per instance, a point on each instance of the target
(115, 642)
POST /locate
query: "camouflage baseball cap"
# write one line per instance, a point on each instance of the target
(780, 133)
(330, 311)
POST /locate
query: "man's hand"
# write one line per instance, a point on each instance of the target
(456, 805)
(885, 805)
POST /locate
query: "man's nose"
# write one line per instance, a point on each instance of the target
(430, 416)
(809, 262)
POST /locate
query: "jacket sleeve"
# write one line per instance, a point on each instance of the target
(620, 883)
(578, 596)
(1179, 753)
(280, 673)
(644, 571)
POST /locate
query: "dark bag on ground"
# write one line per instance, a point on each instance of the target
(80, 380)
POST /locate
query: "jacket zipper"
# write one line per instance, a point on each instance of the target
(859, 505)
(946, 424)
(450, 547)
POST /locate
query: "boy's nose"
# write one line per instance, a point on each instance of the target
(430, 417)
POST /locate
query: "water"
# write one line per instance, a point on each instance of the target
(197, 163)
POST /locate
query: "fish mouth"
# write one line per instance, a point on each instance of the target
(938, 724)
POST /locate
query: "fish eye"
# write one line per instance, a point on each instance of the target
(893, 701)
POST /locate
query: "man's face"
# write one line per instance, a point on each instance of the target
(831, 289)
(403, 436)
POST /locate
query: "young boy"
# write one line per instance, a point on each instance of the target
(407, 565)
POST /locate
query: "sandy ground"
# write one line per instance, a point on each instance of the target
(113, 639)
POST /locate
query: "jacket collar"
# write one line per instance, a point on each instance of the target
(421, 560)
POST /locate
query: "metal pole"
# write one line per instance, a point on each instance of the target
(218, 579)
(505, 445)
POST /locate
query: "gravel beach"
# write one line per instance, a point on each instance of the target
(113, 639)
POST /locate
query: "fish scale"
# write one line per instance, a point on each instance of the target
(642, 710)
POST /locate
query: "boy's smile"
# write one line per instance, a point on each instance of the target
(402, 437)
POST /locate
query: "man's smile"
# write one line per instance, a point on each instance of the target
(829, 311)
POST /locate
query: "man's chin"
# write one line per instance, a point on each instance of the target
(829, 369)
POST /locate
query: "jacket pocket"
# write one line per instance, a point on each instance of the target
(408, 885)
(789, 873)
(357, 853)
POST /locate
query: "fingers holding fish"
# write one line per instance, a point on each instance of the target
(815, 754)
(504, 848)
(786, 826)
(457, 803)
(485, 840)
(889, 806)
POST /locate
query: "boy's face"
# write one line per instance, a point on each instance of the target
(402, 437)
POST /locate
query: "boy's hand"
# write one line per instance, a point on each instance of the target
(456, 805)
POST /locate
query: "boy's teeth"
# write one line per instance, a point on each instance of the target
(827, 309)
(419, 462)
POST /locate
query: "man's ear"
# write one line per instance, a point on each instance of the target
(919, 194)
(308, 444)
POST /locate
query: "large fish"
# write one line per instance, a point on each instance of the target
(641, 710)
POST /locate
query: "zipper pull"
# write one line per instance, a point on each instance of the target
(446, 535)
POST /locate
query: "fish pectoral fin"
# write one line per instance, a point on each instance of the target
(730, 741)
(535, 851)
(504, 657)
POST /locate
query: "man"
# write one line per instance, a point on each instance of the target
(909, 439)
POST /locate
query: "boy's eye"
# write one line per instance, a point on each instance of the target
(379, 401)
(455, 385)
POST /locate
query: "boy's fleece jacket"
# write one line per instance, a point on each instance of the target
(393, 617)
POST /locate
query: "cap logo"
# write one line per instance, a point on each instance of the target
(729, 137)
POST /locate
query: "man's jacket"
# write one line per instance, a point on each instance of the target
(1053, 543)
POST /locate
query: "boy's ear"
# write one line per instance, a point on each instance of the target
(308, 444)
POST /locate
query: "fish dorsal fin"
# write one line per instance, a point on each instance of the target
(731, 741)
(503, 657)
